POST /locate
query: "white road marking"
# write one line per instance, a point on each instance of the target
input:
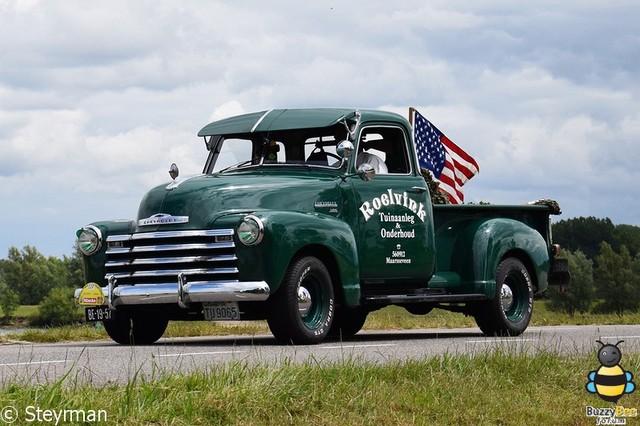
(198, 354)
(499, 341)
(15, 364)
(380, 345)
(620, 337)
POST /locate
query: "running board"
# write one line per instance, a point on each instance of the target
(403, 299)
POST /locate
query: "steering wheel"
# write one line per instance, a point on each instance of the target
(332, 155)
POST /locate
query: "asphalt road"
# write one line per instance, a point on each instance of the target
(105, 362)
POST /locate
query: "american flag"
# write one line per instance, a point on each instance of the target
(450, 165)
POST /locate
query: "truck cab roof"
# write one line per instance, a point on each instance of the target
(288, 119)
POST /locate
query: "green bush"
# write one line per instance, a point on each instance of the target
(57, 308)
(578, 296)
(9, 301)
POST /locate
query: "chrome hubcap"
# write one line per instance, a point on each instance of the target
(304, 301)
(506, 297)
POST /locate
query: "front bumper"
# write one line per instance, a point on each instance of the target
(182, 293)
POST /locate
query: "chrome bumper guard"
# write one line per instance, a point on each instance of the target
(182, 292)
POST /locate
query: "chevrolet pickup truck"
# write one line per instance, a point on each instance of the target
(312, 219)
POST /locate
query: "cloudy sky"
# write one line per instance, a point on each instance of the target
(97, 99)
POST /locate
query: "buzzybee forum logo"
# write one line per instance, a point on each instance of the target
(610, 381)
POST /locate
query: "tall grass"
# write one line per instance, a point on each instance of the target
(504, 387)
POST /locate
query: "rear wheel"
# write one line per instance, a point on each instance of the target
(302, 310)
(509, 312)
(142, 327)
(419, 308)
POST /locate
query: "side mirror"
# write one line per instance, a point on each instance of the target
(173, 171)
(345, 149)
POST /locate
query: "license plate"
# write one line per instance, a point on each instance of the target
(98, 313)
(221, 311)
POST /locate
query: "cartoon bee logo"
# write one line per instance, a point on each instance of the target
(610, 381)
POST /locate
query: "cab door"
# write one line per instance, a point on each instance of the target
(393, 214)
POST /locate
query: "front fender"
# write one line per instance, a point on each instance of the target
(476, 247)
(94, 270)
(288, 233)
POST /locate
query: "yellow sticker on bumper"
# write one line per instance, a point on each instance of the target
(91, 295)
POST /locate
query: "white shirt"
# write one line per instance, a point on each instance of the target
(375, 161)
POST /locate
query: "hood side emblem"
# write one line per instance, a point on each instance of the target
(163, 219)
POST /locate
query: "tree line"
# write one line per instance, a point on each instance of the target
(27, 277)
(604, 260)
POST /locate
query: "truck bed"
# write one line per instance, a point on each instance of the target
(535, 216)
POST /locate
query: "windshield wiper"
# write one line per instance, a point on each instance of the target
(235, 166)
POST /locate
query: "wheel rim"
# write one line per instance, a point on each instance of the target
(506, 297)
(304, 302)
(513, 297)
(312, 302)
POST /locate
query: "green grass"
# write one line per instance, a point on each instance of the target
(397, 318)
(498, 388)
(24, 311)
(390, 318)
(86, 332)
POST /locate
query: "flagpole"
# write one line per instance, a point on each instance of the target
(411, 110)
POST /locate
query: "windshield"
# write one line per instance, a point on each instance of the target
(304, 147)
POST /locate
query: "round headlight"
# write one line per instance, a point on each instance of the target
(250, 230)
(89, 240)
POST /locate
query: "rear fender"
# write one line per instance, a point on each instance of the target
(474, 249)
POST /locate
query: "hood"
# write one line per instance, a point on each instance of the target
(196, 202)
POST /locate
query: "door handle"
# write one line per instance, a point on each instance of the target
(418, 189)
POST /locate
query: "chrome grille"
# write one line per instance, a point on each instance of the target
(158, 257)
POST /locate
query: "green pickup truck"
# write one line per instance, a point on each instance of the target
(311, 219)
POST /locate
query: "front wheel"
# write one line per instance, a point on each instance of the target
(509, 312)
(142, 327)
(302, 310)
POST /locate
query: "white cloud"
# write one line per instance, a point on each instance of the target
(228, 109)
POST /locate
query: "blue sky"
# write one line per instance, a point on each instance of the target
(97, 99)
